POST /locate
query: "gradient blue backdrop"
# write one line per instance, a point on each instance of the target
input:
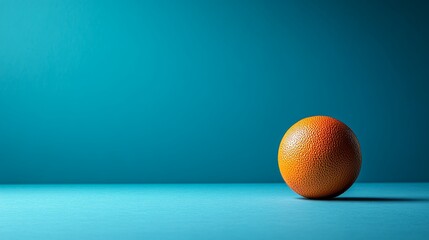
(203, 91)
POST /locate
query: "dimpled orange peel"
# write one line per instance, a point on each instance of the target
(319, 157)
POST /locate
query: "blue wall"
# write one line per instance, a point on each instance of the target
(203, 91)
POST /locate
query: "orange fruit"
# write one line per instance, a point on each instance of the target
(319, 157)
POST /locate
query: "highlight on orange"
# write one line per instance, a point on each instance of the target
(319, 157)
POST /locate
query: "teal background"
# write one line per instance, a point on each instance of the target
(203, 91)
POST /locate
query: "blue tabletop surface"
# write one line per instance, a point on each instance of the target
(211, 211)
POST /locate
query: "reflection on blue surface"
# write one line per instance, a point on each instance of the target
(214, 211)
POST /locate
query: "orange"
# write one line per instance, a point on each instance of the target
(319, 157)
